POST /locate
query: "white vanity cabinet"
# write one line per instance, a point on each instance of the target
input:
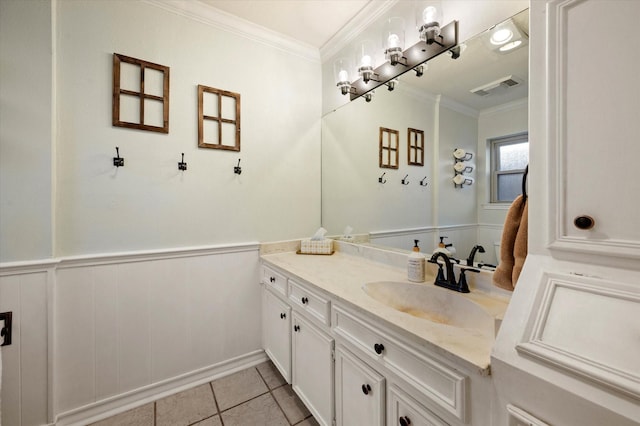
(360, 391)
(312, 368)
(404, 410)
(276, 331)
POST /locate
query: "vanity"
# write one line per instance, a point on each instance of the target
(361, 345)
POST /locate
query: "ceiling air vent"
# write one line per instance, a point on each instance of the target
(495, 86)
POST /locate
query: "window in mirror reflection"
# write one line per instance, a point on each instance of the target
(389, 144)
(509, 158)
(415, 139)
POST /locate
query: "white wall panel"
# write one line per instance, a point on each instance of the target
(106, 320)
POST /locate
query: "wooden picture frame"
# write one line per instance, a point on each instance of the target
(389, 152)
(140, 94)
(219, 127)
(415, 147)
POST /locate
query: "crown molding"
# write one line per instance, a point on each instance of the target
(458, 107)
(209, 15)
(356, 26)
(520, 103)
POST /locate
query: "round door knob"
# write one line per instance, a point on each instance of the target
(404, 421)
(584, 222)
(366, 389)
(305, 300)
(378, 347)
(283, 316)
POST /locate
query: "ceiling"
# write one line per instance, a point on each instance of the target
(312, 22)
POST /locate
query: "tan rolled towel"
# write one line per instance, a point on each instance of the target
(513, 247)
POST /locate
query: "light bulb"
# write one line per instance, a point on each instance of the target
(365, 61)
(393, 41)
(429, 14)
(343, 75)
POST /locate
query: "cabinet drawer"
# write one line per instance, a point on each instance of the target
(444, 386)
(310, 302)
(275, 280)
(405, 410)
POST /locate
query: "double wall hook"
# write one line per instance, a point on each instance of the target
(117, 160)
(381, 178)
(237, 169)
(182, 165)
(424, 182)
(404, 180)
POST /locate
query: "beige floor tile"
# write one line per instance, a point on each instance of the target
(309, 422)
(293, 408)
(261, 411)
(211, 421)
(141, 416)
(238, 388)
(186, 407)
(271, 375)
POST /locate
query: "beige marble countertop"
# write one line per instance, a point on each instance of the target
(343, 275)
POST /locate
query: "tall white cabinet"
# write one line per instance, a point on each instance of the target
(568, 349)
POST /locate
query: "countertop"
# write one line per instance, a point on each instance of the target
(343, 275)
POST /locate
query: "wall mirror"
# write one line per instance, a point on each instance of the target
(458, 103)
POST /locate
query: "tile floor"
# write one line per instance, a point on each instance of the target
(255, 396)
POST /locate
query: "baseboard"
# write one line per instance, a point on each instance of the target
(117, 404)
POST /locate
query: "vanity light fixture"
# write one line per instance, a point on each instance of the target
(434, 40)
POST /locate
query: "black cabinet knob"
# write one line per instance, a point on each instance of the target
(283, 316)
(366, 389)
(404, 421)
(296, 328)
(272, 279)
(378, 347)
(305, 300)
(584, 222)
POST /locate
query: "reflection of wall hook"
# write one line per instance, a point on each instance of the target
(237, 169)
(423, 182)
(182, 165)
(381, 179)
(117, 160)
(405, 181)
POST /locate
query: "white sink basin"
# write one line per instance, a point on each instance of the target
(432, 303)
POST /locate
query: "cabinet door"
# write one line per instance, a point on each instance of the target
(404, 410)
(312, 368)
(276, 332)
(359, 391)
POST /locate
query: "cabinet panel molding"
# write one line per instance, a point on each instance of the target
(573, 330)
(588, 148)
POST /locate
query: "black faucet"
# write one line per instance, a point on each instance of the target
(473, 254)
(450, 280)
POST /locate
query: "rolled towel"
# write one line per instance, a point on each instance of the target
(503, 276)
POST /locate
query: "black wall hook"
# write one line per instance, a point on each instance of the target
(117, 160)
(423, 182)
(182, 165)
(237, 169)
(404, 180)
(381, 178)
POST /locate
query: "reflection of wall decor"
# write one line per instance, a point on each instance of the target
(389, 143)
(415, 147)
(218, 119)
(140, 94)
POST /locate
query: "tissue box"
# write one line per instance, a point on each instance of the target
(310, 246)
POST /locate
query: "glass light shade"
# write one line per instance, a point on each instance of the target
(342, 71)
(428, 19)
(365, 58)
(393, 39)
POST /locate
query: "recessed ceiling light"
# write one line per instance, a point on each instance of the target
(501, 36)
(510, 46)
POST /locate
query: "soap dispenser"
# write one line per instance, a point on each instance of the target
(415, 267)
(447, 249)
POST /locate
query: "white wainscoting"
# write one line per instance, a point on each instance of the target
(96, 335)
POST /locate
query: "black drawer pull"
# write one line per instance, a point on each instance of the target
(404, 421)
(584, 222)
(366, 389)
(378, 347)
(272, 279)
(305, 300)
(296, 328)
(283, 316)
